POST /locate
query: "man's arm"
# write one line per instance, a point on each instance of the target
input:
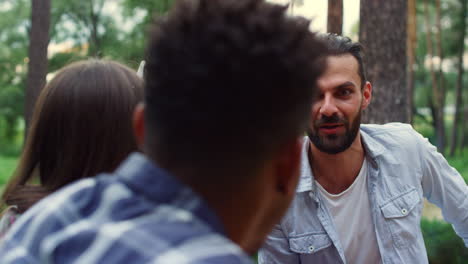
(445, 187)
(276, 249)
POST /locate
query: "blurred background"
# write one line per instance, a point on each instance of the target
(415, 52)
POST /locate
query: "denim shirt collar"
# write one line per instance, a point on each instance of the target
(159, 186)
(372, 148)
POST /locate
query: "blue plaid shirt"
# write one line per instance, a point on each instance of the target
(140, 214)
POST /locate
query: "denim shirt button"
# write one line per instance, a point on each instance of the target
(311, 249)
(404, 211)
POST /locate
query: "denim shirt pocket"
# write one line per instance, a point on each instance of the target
(309, 244)
(401, 206)
(401, 218)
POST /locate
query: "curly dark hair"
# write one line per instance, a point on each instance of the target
(228, 83)
(340, 45)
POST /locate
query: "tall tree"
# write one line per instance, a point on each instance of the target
(459, 86)
(38, 43)
(95, 11)
(335, 16)
(383, 34)
(441, 82)
(436, 102)
(410, 51)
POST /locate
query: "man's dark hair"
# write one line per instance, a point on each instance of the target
(340, 45)
(227, 83)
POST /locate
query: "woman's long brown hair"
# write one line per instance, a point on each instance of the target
(81, 126)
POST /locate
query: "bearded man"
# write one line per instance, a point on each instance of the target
(360, 195)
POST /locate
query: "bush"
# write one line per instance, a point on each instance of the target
(424, 128)
(11, 145)
(442, 244)
(460, 163)
(7, 167)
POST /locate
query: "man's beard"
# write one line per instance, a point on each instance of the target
(334, 144)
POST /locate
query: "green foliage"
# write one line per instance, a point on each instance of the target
(60, 59)
(10, 145)
(7, 167)
(149, 7)
(133, 45)
(423, 124)
(460, 163)
(451, 24)
(14, 26)
(71, 21)
(442, 244)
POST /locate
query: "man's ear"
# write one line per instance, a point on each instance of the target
(139, 124)
(288, 167)
(366, 95)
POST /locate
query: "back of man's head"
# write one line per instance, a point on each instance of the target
(228, 83)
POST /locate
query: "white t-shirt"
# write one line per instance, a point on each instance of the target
(353, 221)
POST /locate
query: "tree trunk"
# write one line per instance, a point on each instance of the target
(459, 90)
(38, 43)
(410, 51)
(95, 13)
(95, 46)
(464, 139)
(440, 54)
(335, 16)
(437, 101)
(386, 58)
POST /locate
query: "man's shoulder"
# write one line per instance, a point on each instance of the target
(375, 129)
(66, 201)
(55, 213)
(180, 240)
(394, 137)
(398, 133)
(198, 247)
(165, 234)
(81, 198)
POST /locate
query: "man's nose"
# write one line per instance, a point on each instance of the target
(328, 107)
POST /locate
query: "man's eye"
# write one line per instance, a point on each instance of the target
(344, 92)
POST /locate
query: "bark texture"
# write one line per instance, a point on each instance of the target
(335, 16)
(383, 32)
(38, 43)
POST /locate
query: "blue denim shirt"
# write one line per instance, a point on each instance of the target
(139, 214)
(403, 168)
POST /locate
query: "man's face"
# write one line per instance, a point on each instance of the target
(336, 110)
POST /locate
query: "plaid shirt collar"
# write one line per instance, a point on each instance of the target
(156, 184)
